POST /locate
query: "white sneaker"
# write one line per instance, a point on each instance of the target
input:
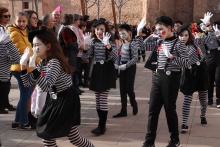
(218, 106)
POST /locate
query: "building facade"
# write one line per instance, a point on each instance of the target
(132, 10)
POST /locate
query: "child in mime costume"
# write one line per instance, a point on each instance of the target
(126, 65)
(103, 51)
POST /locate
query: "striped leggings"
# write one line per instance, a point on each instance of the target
(102, 100)
(203, 96)
(74, 138)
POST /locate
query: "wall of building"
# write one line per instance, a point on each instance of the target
(132, 11)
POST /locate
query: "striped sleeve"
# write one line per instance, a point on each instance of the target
(13, 54)
(87, 53)
(27, 79)
(150, 43)
(53, 72)
(135, 46)
(113, 52)
(182, 58)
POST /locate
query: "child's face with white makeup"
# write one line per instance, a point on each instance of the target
(184, 36)
(40, 48)
(123, 34)
(162, 30)
(99, 30)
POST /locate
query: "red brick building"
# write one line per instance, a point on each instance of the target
(132, 11)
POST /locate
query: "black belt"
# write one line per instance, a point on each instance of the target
(168, 72)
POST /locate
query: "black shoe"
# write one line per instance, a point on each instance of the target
(11, 108)
(203, 121)
(210, 102)
(217, 103)
(173, 143)
(26, 126)
(86, 84)
(3, 111)
(148, 144)
(121, 114)
(98, 131)
(184, 128)
(15, 125)
(135, 109)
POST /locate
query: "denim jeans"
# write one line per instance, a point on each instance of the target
(22, 107)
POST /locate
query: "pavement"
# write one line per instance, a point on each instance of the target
(121, 132)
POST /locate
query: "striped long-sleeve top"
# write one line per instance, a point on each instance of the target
(129, 51)
(47, 76)
(213, 44)
(194, 50)
(99, 52)
(179, 52)
(8, 55)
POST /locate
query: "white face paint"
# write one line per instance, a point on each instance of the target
(162, 31)
(39, 47)
(123, 34)
(184, 36)
(202, 27)
(99, 30)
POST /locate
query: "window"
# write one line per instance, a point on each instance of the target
(26, 5)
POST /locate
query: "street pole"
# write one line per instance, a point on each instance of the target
(113, 11)
(83, 6)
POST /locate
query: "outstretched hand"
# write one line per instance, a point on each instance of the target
(106, 37)
(87, 38)
(207, 17)
(25, 56)
(141, 25)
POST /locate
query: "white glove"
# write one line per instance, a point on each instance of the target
(87, 38)
(166, 51)
(141, 25)
(106, 37)
(4, 35)
(122, 67)
(116, 66)
(25, 56)
(207, 17)
(217, 31)
(33, 58)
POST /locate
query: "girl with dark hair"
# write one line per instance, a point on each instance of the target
(102, 49)
(32, 20)
(61, 113)
(194, 78)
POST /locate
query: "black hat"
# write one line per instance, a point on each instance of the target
(164, 19)
(182, 28)
(98, 22)
(34, 33)
(125, 26)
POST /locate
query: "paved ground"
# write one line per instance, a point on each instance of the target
(122, 132)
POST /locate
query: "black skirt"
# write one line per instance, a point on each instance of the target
(194, 79)
(59, 115)
(103, 77)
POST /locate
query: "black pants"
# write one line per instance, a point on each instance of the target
(4, 92)
(127, 78)
(214, 76)
(164, 91)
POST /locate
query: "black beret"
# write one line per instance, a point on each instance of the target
(182, 28)
(98, 22)
(34, 33)
(125, 26)
(164, 19)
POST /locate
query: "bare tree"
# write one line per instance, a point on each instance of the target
(119, 4)
(93, 2)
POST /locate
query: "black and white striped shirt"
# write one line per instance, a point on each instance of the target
(129, 51)
(53, 75)
(98, 51)
(194, 50)
(8, 55)
(181, 57)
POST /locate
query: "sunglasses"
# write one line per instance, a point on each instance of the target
(6, 16)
